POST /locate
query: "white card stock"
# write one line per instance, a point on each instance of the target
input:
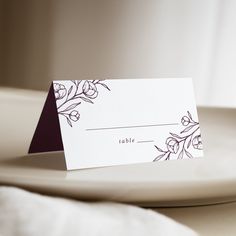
(113, 122)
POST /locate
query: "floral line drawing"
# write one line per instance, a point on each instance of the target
(79, 91)
(178, 145)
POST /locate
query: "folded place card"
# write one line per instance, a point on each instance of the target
(114, 122)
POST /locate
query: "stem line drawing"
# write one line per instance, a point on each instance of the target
(179, 145)
(69, 99)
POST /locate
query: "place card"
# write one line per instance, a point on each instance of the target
(115, 122)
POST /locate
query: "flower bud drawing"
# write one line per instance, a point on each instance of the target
(90, 89)
(59, 90)
(74, 115)
(74, 94)
(185, 121)
(181, 145)
(172, 145)
(197, 142)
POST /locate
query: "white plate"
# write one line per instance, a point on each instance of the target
(207, 180)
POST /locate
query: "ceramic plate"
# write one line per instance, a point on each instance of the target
(207, 180)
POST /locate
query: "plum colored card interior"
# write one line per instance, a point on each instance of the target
(114, 122)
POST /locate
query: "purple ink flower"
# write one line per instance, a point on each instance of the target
(177, 146)
(89, 89)
(172, 145)
(59, 90)
(197, 142)
(74, 115)
(185, 121)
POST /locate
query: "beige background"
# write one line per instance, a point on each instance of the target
(42, 40)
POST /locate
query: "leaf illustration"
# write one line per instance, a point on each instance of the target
(189, 142)
(187, 129)
(190, 116)
(159, 149)
(68, 121)
(69, 91)
(78, 83)
(168, 157)
(176, 136)
(158, 158)
(71, 106)
(188, 154)
(181, 154)
(185, 137)
(105, 86)
(85, 99)
(88, 94)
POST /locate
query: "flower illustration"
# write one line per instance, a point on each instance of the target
(74, 115)
(172, 145)
(59, 90)
(197, 142)
(185, 121)
(179, 144)
(90, 90)
(74, 95)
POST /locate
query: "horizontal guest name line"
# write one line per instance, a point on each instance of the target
(130, 127)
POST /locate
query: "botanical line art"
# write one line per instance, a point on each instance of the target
(70, 98)
(179, 145)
